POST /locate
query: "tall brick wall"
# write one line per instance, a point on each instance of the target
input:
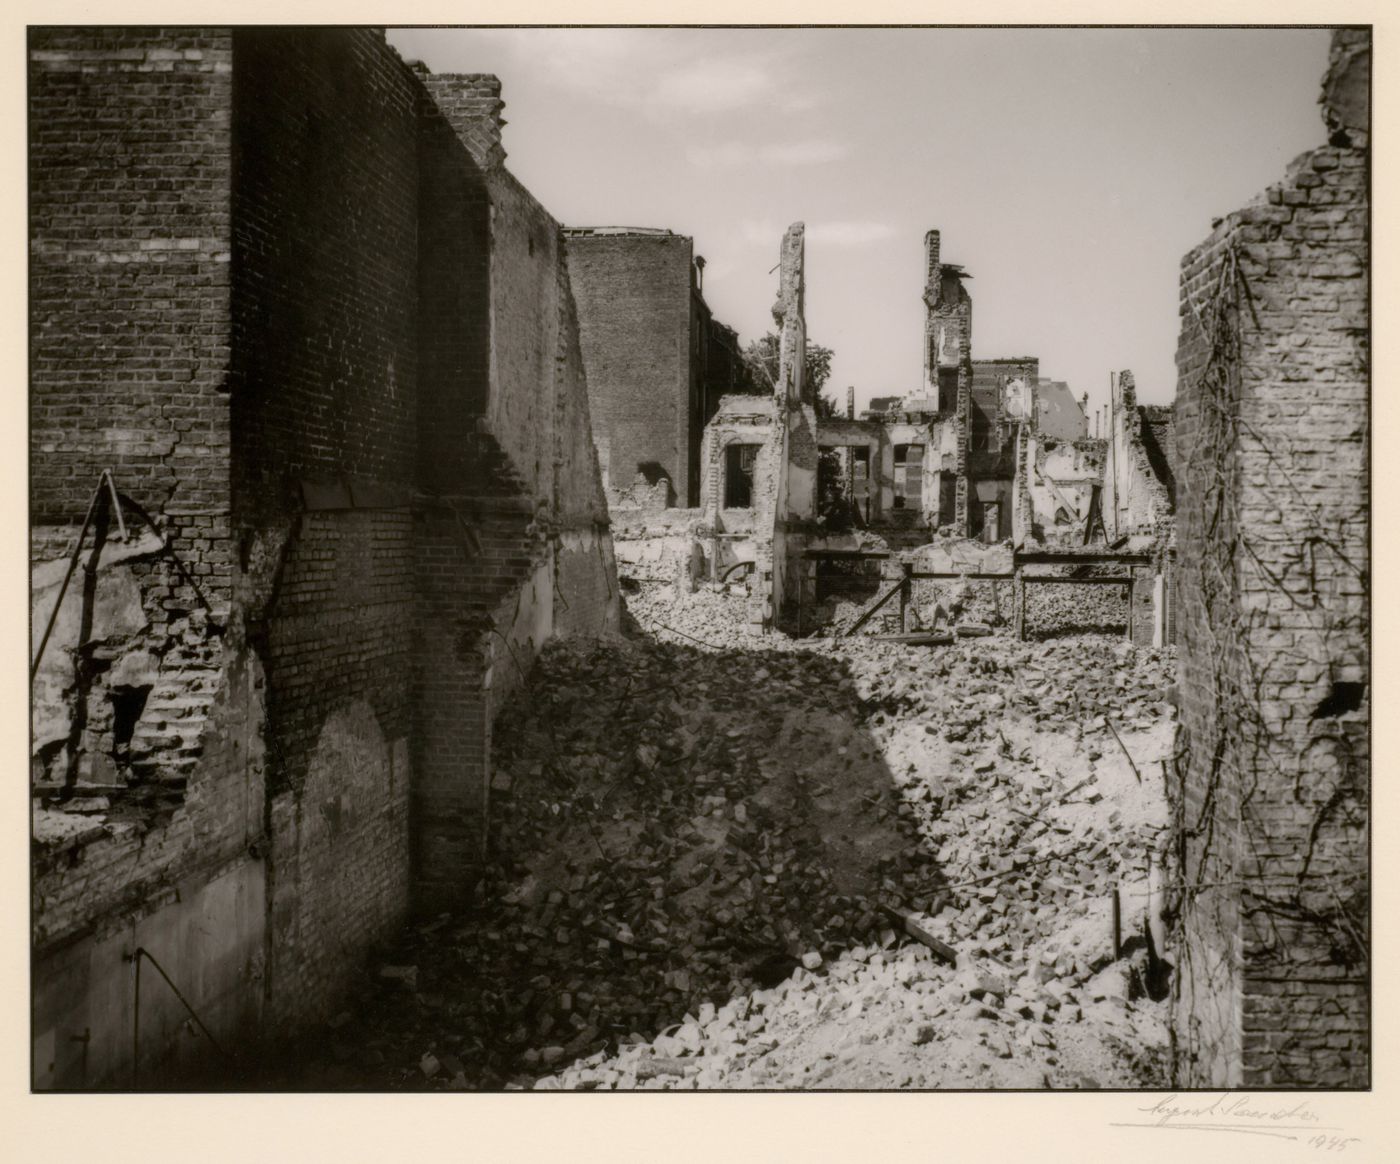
(377, 482)
(517, 519)
(633, 295)
(1272, 469)
(325, 292)
(324, 393)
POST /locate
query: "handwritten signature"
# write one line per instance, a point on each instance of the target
(1242, 1114)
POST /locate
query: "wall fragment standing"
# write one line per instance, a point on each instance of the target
(1272, 464)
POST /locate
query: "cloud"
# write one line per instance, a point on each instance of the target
(715, 84)
(812, 152)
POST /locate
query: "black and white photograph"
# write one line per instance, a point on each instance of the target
(540, 580)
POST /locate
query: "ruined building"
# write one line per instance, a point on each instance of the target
(285, 290)
(1271, 468)
(657, 361)
(1139, 489)
(966, 459)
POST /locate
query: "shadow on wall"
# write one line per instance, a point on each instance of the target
(670, 826)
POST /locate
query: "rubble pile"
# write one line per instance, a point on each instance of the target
(1036, 773)
(1052, 611)
(719, 860)
(669, 826)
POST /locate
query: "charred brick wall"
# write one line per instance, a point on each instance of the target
(1272, 544)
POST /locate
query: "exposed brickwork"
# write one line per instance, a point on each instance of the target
(633, 293)
(472, 105)
(351, 333)
(129, 264)
(1272, 470)
(325, 300)
(129, 242)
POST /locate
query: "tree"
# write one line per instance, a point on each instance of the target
(761, 356)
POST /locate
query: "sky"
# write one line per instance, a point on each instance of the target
(1067, 169)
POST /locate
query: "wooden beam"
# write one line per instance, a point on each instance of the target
(1050, 579)
(879, 602)
(975, 577)
(1079, 557)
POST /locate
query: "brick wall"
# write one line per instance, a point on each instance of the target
(454, 299)
(377, 483)
(324, 392)
(129, 344)
(325, 294)
(633, 295)
(130, 246)
(1273, 562)
(129, 260)
(520, 520)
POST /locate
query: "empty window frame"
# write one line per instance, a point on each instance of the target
(908, 476)
(947, 390)
(739, 463)
(947, 499)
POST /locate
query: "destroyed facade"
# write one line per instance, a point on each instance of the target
(943, 484)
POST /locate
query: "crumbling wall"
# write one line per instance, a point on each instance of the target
(1137, 495)
(1059, 477)
(124, 253)
(1272, 945)
(129, 358)
(948, 355)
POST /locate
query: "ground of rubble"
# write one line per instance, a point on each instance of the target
(713, 857)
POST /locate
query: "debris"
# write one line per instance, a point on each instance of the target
(652, 1068)
(920, 933)
(754, 843)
